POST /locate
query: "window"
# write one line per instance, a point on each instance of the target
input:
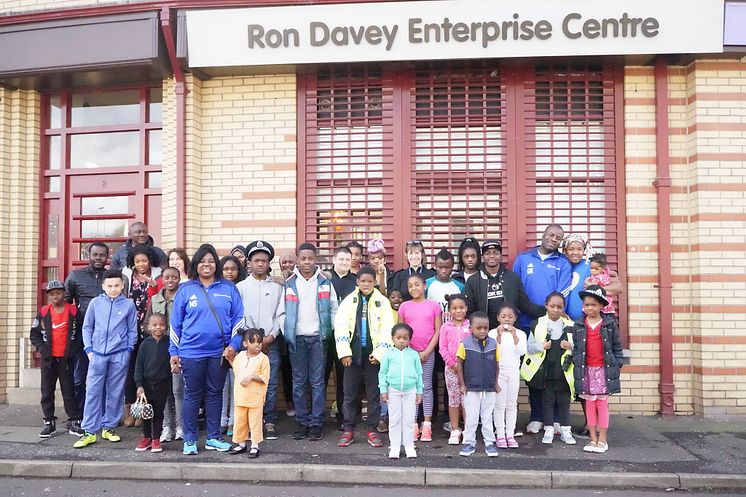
(440, 151)
(101, 164)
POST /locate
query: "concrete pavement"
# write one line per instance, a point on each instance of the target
(645, 452)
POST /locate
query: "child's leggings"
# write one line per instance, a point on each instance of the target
(427, 379)
(506, 404)
(597, 412)
(402, 411)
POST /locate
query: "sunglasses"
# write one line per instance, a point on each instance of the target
(414, 242)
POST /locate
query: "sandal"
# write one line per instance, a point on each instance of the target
(254, 453)
(238, 449)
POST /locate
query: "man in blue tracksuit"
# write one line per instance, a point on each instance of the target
(109, 337)
(543, 270)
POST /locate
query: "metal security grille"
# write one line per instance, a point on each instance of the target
(569, 125)
(349, 162)
(458, 157)
(440, 151)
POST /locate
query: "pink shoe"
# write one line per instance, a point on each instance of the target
(512, 444)
(416, 435)
(502, 443)
(427, 433)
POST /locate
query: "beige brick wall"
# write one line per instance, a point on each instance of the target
(707, 147)
(23, 6)
(19, 224)
(242, 172)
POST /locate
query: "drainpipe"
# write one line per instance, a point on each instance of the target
(181, 91)
(662, 186)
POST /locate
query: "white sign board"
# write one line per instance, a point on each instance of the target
(451, 29)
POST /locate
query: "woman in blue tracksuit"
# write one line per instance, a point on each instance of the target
(207, 310)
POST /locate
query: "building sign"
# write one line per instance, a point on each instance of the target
(451, 29)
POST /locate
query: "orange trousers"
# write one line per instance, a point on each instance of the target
(247, 424)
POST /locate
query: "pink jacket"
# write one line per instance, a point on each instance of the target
(450, 338)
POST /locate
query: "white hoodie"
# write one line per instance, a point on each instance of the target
(308, 295)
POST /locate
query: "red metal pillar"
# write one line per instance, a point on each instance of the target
(662, 186)
(181, 91)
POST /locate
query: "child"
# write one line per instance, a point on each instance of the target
(451, 334)
(424, 316)
(597, 360)
(377, 260)
(416, 259)
(478, 372)
(234, 271)
(400, 384)
(56, 335)
(512, 343)
(264, 308)
(109, 337)
(548, 367)
(441, 285)
(153, 379)
(469, 259)
(162, 303)
(395, 300)
(310, 307)
(251, 368)
(362, 336)
(356, 252)
(600, 276)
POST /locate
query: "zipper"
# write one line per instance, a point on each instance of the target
(401, 385)
(108, 325)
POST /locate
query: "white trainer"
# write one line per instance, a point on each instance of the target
(533, 427)
(548, 435)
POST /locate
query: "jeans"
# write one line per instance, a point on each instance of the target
(80, 372)
(270, 402)
(309, 362)
(204, 378)
(105, 392)
(226, 411)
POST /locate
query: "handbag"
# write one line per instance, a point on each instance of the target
(141, 409)
(223, 361)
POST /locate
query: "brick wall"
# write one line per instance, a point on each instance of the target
(22, 6)
(19, 224)
(707, 147)
(241, 172)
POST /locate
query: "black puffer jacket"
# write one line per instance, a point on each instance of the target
(613, 358)
(82, 285)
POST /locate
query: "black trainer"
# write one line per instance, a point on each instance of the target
(73, 428)
(50, 428)
(315, 433)
(270, 432)
(300, 432)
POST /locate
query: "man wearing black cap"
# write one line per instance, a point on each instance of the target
(264, 308)
(495, 284)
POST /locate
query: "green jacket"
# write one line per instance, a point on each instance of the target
(401, 370)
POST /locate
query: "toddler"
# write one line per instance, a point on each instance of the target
(400, 384)
(600, 276)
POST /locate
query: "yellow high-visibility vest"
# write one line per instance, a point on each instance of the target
(532, 362)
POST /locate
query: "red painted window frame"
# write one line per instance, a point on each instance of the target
(515, 99)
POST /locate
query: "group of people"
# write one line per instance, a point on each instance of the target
(212, 337)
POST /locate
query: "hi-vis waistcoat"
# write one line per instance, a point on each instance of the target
(532, 362)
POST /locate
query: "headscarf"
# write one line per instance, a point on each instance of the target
(376, 246)
(582, 239)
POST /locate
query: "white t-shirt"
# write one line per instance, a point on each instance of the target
(437, 291)
(510, 353)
